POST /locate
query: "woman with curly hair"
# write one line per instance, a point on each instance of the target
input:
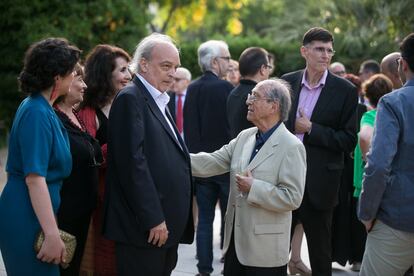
(39, 159)
(106, 73)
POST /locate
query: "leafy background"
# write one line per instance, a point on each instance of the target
(363, 29)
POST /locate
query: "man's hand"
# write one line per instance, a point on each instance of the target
(158, 235)
(302, 124)
(244, 183)
(369, 224)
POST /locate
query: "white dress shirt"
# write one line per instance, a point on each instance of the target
(161, 99)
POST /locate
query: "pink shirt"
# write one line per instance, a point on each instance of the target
(309, 96)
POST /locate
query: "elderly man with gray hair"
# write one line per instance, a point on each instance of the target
(147, 201)
(267, 166)
(206, 129)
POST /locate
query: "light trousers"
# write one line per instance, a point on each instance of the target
(388, 251)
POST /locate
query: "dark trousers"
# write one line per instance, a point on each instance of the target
(232, 266)
(208, 192)
(317, 226)
(78, 227)
(153, 261)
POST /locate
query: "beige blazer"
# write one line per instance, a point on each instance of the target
(262, 219)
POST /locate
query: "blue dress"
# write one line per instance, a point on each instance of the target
(38, 144)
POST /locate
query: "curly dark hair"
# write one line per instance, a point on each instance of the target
(375, 87)
(43, 61)
(99, 65)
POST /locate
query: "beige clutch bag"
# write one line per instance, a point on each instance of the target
(68, 239)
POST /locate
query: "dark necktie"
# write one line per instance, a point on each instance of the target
(179, 114)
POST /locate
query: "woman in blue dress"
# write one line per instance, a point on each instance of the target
(38, 160)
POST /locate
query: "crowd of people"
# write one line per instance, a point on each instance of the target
(132, 157)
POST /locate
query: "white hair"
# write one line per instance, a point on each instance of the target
(186, 72)
(278, 90)
(144, 49)
(337, 64)
(209, 50)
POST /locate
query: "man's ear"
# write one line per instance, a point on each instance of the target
(303, 51)
(404, 65)
(143, 65)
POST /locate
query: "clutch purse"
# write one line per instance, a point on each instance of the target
(69, 241)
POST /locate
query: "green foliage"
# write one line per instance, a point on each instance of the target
(84, 23)
(362, 28)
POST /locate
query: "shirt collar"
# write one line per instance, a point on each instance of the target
(264, 136)
(321, 82)
(157, 95)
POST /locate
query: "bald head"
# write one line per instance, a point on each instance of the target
(389, 67)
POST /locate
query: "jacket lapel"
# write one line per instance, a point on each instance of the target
(268, 148)
(156, 111)
(296, 87)
(327, 94)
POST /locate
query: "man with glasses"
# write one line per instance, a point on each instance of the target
(254, 67)
(182, 79)
(206, 129)
(387, 198)
(323, 117)
(338, 69)
(267, 166)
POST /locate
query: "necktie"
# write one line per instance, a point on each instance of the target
(179, 114)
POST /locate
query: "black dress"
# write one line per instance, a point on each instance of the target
(79, 191)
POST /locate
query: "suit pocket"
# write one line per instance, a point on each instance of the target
(260, 229)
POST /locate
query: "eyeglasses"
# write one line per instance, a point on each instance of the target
(225, 58)
(339, 73)
(398, 60)
(253, 98)
(321, 50)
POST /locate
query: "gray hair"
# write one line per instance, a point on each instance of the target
(279, 91)
(186, 72)
(209, 50)
(144, 49)
(335, 64)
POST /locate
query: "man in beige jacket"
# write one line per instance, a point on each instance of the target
(267, 166)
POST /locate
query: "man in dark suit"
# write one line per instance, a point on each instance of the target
(147, 201)
(254, 67)
(323, 116)
(206, 129)
(182, 79)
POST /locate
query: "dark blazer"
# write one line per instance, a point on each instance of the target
(237, 107)
(149, 175)
(171, 105)
(205, 117)
(333, 134)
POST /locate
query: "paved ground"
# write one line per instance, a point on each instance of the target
(186, 253)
